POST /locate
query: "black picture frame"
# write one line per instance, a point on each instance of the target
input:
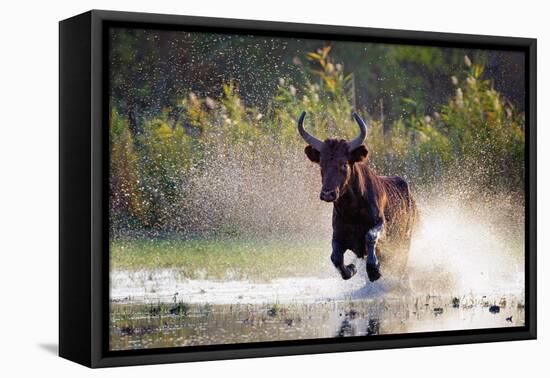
(83, 181)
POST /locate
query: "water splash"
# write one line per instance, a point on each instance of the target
(466, 247)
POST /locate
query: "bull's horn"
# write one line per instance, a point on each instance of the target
(310, 139)
(353, 144)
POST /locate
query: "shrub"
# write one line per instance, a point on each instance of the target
(157, 174)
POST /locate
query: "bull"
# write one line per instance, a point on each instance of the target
(373, 216)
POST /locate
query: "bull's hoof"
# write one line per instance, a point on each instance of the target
(350, 272)
(373, 272)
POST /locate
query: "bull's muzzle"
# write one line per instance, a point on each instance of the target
(329, 195)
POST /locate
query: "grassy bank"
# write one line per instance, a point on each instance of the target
(215, 259)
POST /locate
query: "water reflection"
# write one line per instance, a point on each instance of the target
(137, 326)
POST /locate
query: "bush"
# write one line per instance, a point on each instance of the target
(204, 144)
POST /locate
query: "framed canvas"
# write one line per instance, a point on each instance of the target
(234, 188)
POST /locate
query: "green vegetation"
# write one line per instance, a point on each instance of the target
(153, 69)
(474, 139)
(222, 260)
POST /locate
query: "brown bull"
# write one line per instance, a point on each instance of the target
(373, 216)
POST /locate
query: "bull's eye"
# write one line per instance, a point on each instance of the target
(344, 167)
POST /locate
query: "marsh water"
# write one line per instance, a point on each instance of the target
(202, 312)
(229, 324)
(464, 272)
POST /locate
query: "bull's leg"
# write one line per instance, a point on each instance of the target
(337, 258)
(371, 238)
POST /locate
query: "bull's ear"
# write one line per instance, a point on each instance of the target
(312, 154)
(359, 154)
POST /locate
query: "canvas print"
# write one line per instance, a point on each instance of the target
(267, 189)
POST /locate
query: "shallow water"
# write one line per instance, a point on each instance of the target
(137, 326)
(160, 309)
(151, 287)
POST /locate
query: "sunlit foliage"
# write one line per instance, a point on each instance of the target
(475, 137)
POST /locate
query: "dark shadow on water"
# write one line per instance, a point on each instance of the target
(370, 290)
(51, 348)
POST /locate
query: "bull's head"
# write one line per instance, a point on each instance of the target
(336, 158)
